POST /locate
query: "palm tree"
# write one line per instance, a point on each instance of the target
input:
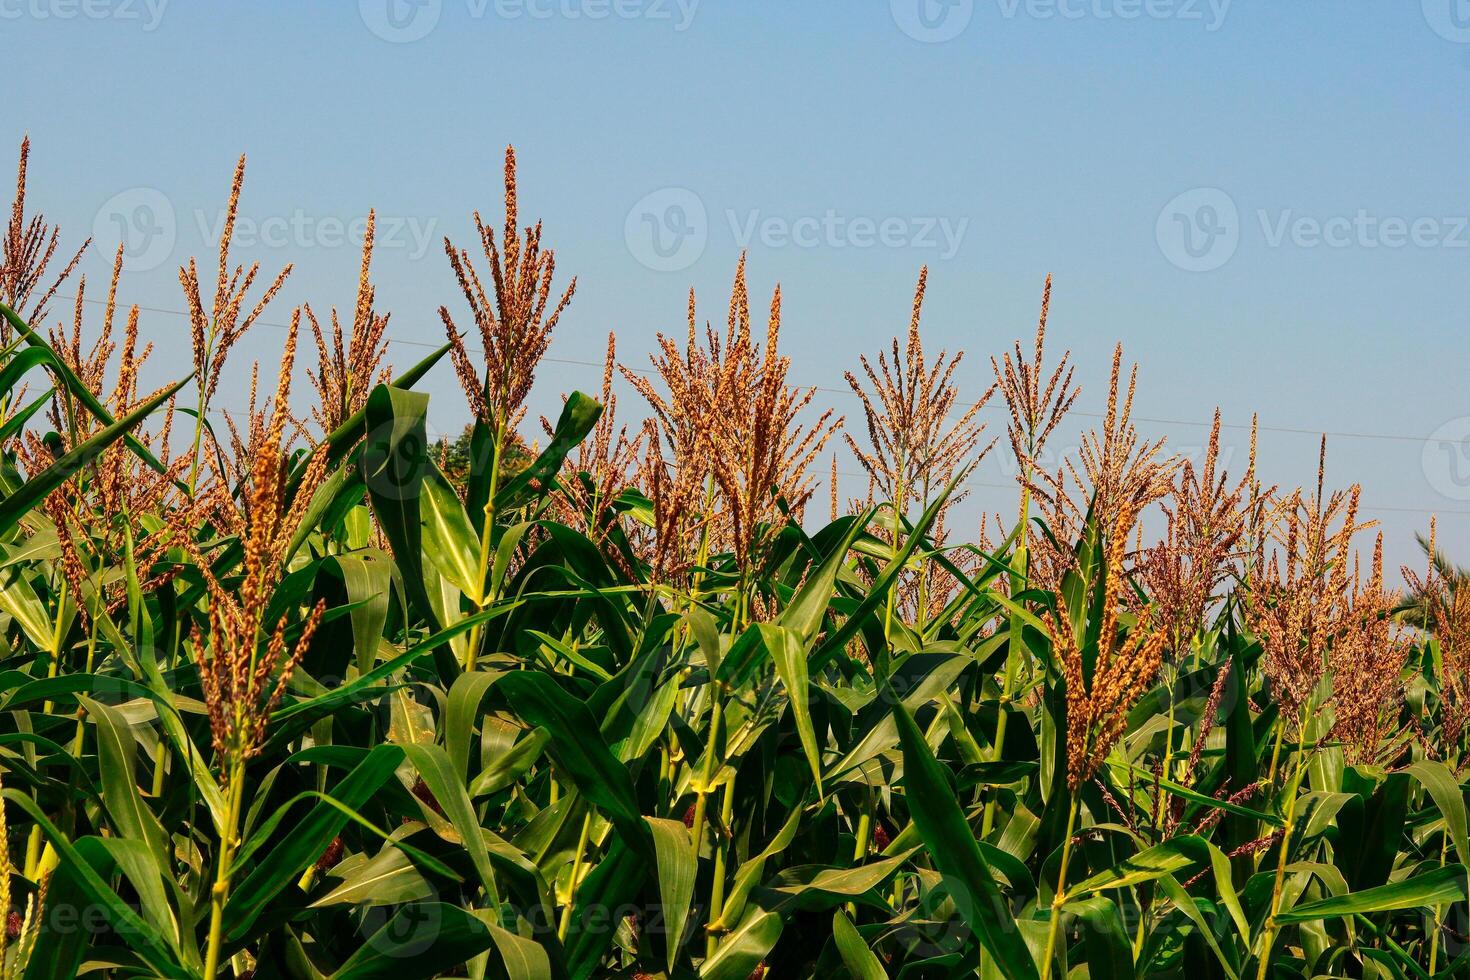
(1439, 585)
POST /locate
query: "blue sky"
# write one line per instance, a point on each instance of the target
(1265, 202)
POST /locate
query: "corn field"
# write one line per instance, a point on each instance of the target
(632, 693)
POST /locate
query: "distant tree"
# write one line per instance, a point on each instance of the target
(1440, 586)
(453, 457)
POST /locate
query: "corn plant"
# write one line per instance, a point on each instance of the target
(284, 698)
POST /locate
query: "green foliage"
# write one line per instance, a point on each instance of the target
(455, 457)
(508, 753)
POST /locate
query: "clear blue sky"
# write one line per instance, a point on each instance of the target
(1319, 148)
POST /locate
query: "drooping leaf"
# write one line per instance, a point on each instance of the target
(676, 874)
(16, 505)
(951, 843)
(1438, 887)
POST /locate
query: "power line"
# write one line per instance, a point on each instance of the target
(969, 484)
(985, 484)
(1154, 420)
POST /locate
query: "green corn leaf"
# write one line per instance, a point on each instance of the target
(346, 435)
(449, 538)
(16, 505)
(308, 838)
(677, 869)
(437, 772)
(743, 949)
(856, 955)
(579, 750)
(878, 593)
(578, 416)
(804, 613)
(393, 465)
(140, 936)
(78, 389)
(1445, 790)
(951, 843)
(117, 752)
(1438, 887)
(461, 713)
(1108, 950)
(388, 878)
(420, 941)
(789, 654)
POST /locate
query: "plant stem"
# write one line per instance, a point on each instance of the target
(77, 739)
(219, 893)
(717, 885)
(33, 844)
(201, 406)
(487, 545)
(1281, 858)
(701, 800)
(864, 826)
(701, 553)
(1275, 755)
(566, 912)
(893, 588)
(1020, 566)
(1438, 910)
(864, 836)
(1143, 917)
(1271, 774)
(1168, 749)
(1060, 897)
